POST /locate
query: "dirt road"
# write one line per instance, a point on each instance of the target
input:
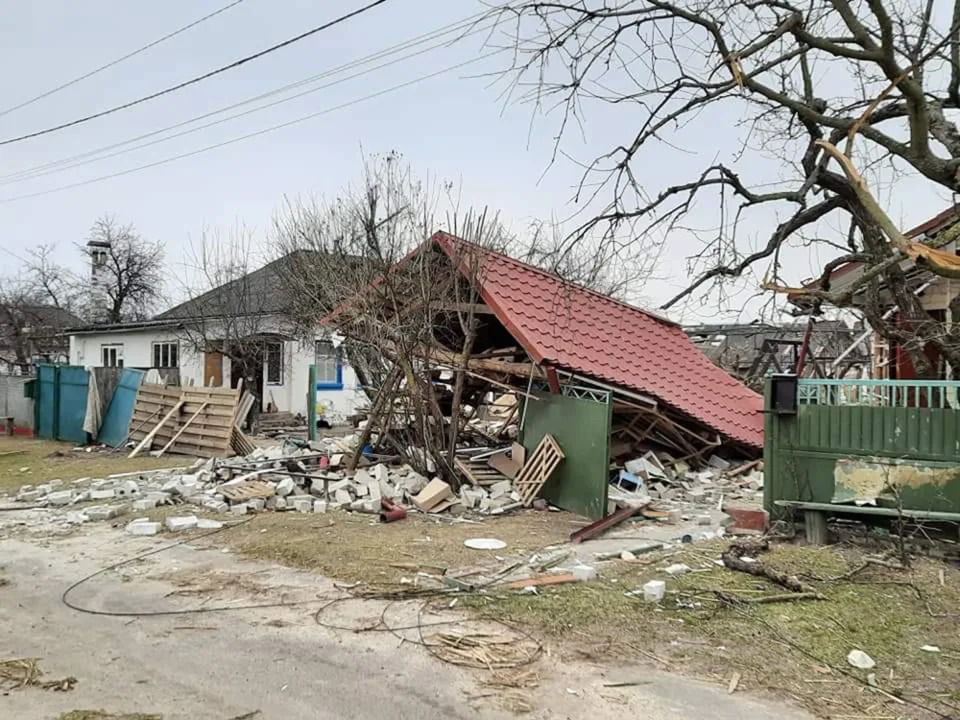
(221, 665)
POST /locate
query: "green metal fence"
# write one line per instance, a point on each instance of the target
(889, 443)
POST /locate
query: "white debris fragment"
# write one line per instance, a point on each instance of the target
(654, 590)
(677, 569)
(859, 659)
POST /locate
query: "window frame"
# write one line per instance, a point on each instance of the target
(336, 355)
(170, 345)
(117, 351)
(266, 362)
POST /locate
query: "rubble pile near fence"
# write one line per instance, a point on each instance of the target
(288, 477)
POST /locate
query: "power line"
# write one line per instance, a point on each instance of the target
(257, 133)
(97, 154)
(119, 60)
(199, 78)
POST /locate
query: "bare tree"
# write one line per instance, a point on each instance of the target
(233, 305)
(128, 272)
(16, 297)
(879, 78)
(52, 282)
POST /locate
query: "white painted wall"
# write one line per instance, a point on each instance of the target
(290, 395)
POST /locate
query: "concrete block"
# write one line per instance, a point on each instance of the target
(180, 522)
(361, 477)
(704, 520)
(238, 509)
(55, 483)
(105, 512)
(388, 491)
(219, 506)
(208, 524)
(281, 504)
(256, 504)
(584, 573)
(141, 504)
(373, 490)
(284, 487)
(77, 517)
(43, 489)
(654, 590)
(303, 504)
(319, 506)
(500, 489)
(126, 489)
(142, 526)
(414, 482)
(159, 497)
(81, 481)
(102, 494)
(28, 496)
(381, 473)
(60, 497)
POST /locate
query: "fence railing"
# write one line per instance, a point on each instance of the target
(880, 393)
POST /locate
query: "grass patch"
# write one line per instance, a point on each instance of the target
(352, 546)
(48, 460)
(879, 611)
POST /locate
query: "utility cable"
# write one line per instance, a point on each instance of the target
(98, 154)
(119, 60)
(199, 78)
(256, 133)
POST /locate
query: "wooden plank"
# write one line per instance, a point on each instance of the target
(538, 469)
(246, 490)
(541, 581)
(150, 435)
(181, 430)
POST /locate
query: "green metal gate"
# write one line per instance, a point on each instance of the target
(889, 443)
(60, 404)
(579, 420)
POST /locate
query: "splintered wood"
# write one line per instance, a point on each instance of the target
(195, 421)
(537, 469)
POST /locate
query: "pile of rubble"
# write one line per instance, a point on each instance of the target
(672, 484)
(295, 477)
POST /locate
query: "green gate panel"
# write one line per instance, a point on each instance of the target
(116, 423)
(45, 402)
(838, 446)
(74, 383)
(582, 429)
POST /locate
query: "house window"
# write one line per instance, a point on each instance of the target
(112, 355)
(166, 355)
(328, 364)
(274, 363)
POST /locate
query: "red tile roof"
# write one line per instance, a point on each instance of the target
(582, 331)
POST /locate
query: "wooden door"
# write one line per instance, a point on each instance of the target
(213, 369)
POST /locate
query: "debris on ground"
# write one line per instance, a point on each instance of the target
(25, 672)
(859, 659)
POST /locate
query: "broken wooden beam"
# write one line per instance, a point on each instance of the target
(604, 524)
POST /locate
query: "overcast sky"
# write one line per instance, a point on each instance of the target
(455, 126)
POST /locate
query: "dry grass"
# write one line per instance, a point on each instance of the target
(104, 715)
(355, 547)
(48, 460)
(878, 611)
(25, 672)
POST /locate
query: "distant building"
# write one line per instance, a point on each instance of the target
(31, 334)
(752, 351)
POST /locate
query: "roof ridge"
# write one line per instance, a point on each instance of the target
(557, 278)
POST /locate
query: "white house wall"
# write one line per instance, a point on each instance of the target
(290, 395)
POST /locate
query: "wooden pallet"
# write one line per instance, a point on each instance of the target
(246, 490)
(537, 469)
(201, 426)
(478, 472)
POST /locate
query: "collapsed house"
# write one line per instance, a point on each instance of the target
(457, 326)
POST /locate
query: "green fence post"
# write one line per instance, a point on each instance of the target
(312, 404)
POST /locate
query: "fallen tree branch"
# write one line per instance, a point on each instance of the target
(733, 559)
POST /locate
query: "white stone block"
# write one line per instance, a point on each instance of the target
(181, 522)
(303, 504)
(319, 506)
(654, 590)
(143, 526)
(60, 497)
